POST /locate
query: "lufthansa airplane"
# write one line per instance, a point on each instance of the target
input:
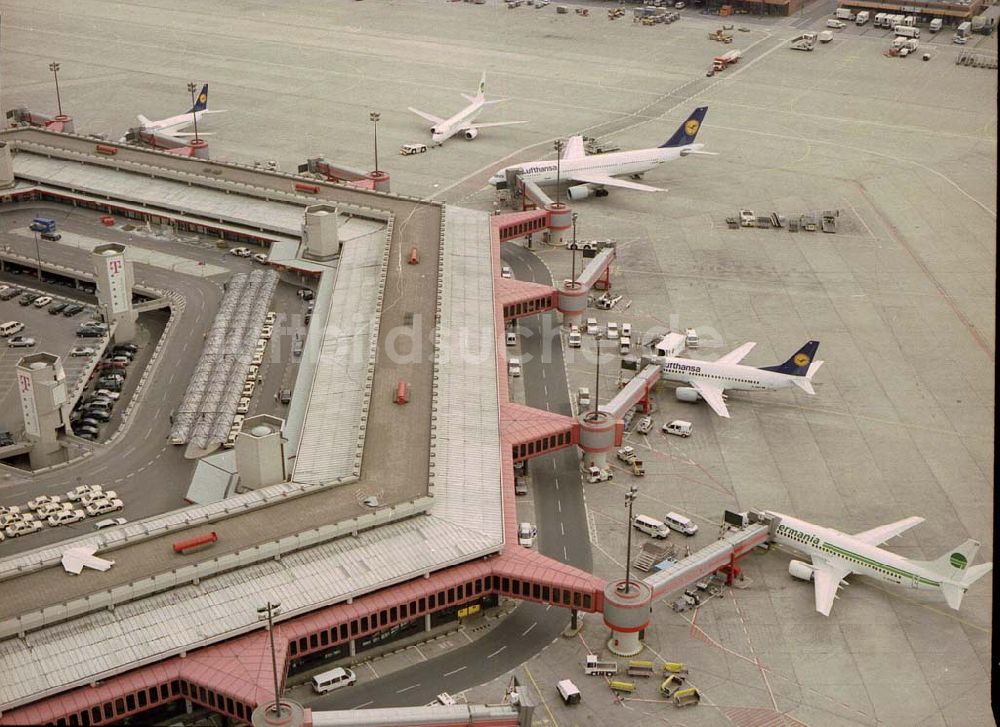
(595, 172)
(173, 125)
(709, 380)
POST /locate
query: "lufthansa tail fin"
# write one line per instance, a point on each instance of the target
(800, 364)
(201, 102)
(687, 131)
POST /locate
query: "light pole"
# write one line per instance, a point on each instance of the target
(559, 144)
(194, 114)
(270, 610)
(597, 377)
(38, 257)
(374, 116)
(573, 274)
(630, 496)
(54, 67)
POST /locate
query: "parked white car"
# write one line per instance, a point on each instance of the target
(99, 507)
(22, 527)
(612, 331)
(65, 517)
(82, 351)
(109, 523)
(260, 258)
(89, 497)
(80, 490)
(42, 301)
(51, 508)
(526, 533)
(241, 252)
(42, 500)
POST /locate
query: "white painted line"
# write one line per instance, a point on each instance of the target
(562, 529)
(454, 671)
(559, 505)
(490, 656)
(360, 706)
(565, 554)
(528, 630)
(406, 689)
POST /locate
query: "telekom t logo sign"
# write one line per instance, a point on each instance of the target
(25, 382)
(115, 266)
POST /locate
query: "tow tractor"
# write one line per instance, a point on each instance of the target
(598, 475)
(627, 454)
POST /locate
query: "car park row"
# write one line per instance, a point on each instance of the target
(56, 510)
(253, 375)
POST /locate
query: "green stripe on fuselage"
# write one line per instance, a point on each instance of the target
(836, 550)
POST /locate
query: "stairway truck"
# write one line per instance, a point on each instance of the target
(862, 17)
(640, 668)
(844, 14)
(592, 666)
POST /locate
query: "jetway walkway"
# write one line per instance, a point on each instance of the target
(636, 391)
(721, 554)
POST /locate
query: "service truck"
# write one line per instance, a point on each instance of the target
(906, 31)
(880, 20)
(598, 475)
(862, 17)
(627, 454)
(936, 25)
(671, 344)
(844, 14)
(963, 30)
(593, 666)
(43, 224)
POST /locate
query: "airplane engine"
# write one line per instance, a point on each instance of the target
(580, 191)
(686, 393)
(471, 134)
(800, 570)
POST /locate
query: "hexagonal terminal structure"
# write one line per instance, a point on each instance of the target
(6, 166)
(260, 452)
(320, 232)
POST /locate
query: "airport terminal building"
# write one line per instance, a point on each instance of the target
(392, 511)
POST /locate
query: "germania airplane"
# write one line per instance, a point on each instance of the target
(708, 380)
(465, 120)
(595, 172)
(836, 555)
(172, 126)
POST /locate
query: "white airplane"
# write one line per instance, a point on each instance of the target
(172, 126)
(836, 555)
(708, 380)
(596, 172)
(465, 120)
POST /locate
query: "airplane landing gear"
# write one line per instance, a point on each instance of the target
(600, 193)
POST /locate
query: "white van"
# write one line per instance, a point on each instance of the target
(511, 338)
(568, 691)
(679, 427)
(681, 524)
(650, 526)
(10, 328)
(333, 679)
(574, 340)
(626, 330)
(514, 367)
(624, 345)
(592, 327)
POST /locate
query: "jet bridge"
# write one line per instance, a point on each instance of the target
(626, 610)
(602, 430)
(164, 142)
(23, 117)
(573, 293)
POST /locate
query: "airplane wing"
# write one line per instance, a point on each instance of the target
(430, 117)
(606, 181)
(480, 125)
(574, 148)
(712, 395)
(827, 580)
(879, 535)
(737, 354)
